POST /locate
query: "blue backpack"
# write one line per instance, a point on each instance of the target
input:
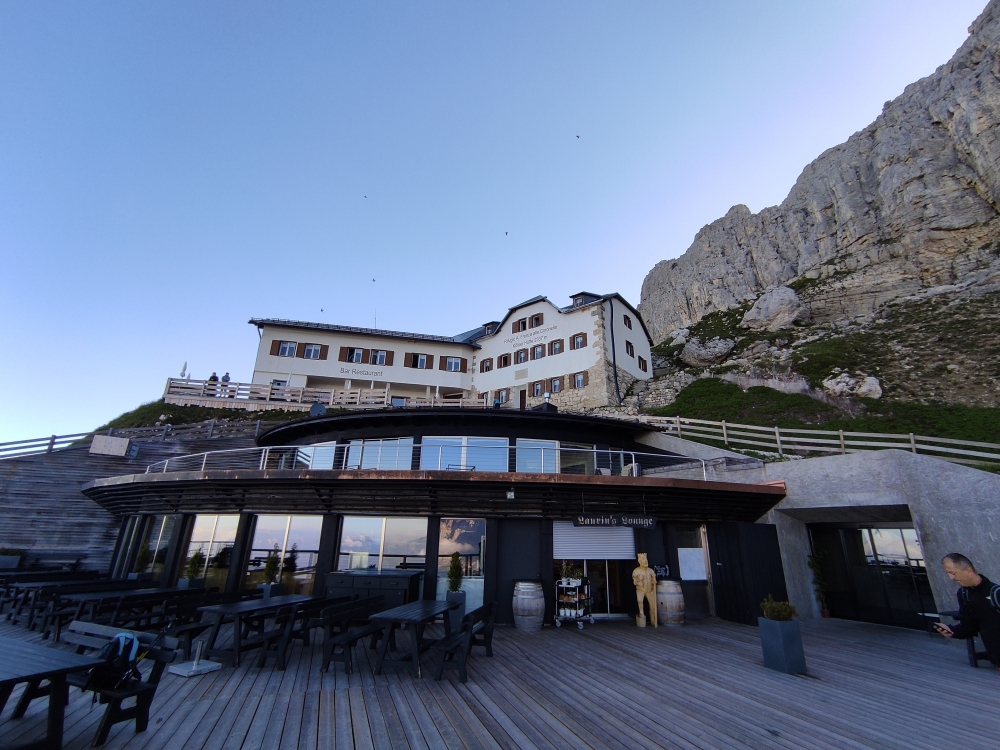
(119, 664)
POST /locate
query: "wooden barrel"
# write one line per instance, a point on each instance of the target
(529, 606)
(669, 603)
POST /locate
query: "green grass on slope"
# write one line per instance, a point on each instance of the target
(149, 414)
(717, 400)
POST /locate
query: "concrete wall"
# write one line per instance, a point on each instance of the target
(952, 507)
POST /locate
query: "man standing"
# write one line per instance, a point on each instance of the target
(979, 605)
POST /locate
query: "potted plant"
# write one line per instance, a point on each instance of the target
(142, 561)
(780, 637)
(816, 560)
(10, 559)
(455, 593)
(193, 572)
(272, 565)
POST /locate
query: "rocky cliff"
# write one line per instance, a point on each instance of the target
(907, 207)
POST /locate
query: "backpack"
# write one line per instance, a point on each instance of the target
(993, 597)
(119, 664)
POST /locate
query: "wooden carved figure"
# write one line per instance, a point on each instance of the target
(644, 578)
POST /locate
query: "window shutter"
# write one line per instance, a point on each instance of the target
(443, 363)
(465, 365)
(586, 379)
(300, 350)
(366, 356)
(541, 319)
(275, 346)
(513, 327)
(571, 542)
(388, 359)
(324, 351)
(343, 354)
(430, 361)
(408, 359)
(584, 341)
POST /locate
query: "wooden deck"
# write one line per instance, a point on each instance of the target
(611, 685)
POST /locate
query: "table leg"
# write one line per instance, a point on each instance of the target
(237, 634)
(383, 646)
(416, 636)
(58, 697)
(5, 691)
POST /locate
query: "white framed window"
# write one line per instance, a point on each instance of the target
(420, 361)
(503, 360)
(502, 396)
(486, 365)
(578, 340)
(578, 380)
(378, 357)
(312, 351)
(628, 321)
(453, 364)
(286, 349)
(556, 385)
(279, 383)
(536, 389)
(521, 356)
(538, 352)
(355, 355)
(556, 346)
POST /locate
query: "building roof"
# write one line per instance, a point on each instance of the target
(280, 323)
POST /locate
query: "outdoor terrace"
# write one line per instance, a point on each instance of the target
(611, 685)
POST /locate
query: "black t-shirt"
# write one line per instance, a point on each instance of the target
(980, 613)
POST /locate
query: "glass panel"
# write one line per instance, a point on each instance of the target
(405, 543)
(301, 552)
(397, 454)
(889, 546)
(577, 458)
(129, 541)
(153, 550)
(537, 456)
(441, 452)
(466, 536)
(360, 543)
(487, 454)
(213, 537)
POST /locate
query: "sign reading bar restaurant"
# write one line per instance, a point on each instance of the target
(639, 522)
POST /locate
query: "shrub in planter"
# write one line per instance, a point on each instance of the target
(780, 637)
(194, 570)
(455, 593)
(816, 560)
(272, 565)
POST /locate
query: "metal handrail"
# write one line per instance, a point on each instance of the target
(393, 454)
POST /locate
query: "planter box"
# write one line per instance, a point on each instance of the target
(271, 589)
(457, 614)
(781, 641)
(191, 583)
(10, 562)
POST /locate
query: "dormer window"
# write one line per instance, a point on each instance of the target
(519, 325)
(535, 321)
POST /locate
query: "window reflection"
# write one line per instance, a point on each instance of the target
(294, 541)
(464, 453)
(537, 456)
(375, 543)
(212, 537)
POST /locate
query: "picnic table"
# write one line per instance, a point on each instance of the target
(237, 611)
(417, 615)
(25, 662)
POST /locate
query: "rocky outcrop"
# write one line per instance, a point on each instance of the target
(697, 354)
(776, 309)
(910, 203)
(846, 385)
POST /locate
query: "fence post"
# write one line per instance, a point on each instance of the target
(677, 419)
(725, 435)
(211, 427)
(777, 438)
(52, 444)
(256, 429)
(913, 443)
(204, 460)
(843, 448)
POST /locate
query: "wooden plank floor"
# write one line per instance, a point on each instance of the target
(611, 685)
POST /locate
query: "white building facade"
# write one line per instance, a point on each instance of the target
(584, 356)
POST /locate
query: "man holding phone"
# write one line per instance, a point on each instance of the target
(978, 603)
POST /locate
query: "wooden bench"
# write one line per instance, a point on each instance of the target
(89, 636)
(476, 630)
(336, 622)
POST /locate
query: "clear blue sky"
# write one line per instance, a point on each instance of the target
(169, 170)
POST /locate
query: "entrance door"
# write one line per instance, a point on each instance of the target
(746, 567)
(523, 397)
(603, 555)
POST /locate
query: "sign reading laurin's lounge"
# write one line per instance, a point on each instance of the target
(639, 522)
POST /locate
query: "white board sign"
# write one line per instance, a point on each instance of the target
(692, 562)
(109, 446)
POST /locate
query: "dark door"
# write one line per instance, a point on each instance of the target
(524, 400)
(746, 567)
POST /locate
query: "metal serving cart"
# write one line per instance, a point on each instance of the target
(573, 601)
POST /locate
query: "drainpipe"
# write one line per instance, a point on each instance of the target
(614, 359)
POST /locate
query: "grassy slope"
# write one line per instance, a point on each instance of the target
(717, 400)
(149, 414)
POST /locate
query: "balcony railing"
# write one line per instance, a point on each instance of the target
(399, 455)
(260, 396)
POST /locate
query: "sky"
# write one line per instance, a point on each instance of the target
(170, 170)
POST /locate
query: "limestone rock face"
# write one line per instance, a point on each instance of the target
(697, 354)
(845, 385)
(776, 309)
(907, 204)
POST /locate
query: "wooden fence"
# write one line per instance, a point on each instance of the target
(782, 441)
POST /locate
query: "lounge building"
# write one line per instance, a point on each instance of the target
(585, 355)
(520, 495)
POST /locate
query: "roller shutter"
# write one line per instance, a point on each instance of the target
(571, 542)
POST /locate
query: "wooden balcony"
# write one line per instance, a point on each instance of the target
(261, 397)
(610, 685)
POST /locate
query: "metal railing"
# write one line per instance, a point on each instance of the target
(393, 455)
(782, 441)
(195, 431)
(261, 396)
